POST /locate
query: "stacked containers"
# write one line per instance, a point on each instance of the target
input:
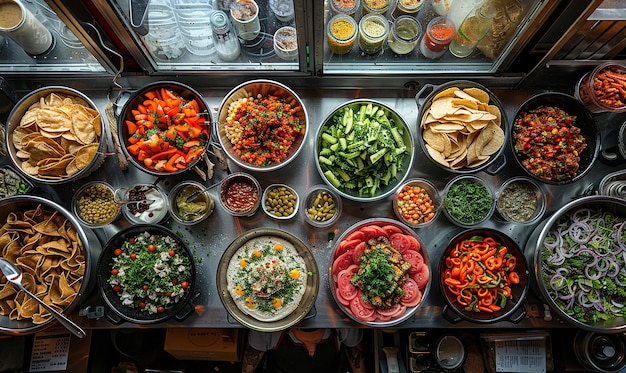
(193, 17)
(164, 37)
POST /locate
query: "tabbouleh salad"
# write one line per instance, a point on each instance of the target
(150, 272)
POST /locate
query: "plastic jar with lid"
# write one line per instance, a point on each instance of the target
(375, 6)
(341, 33)
(404, 35)
(597, 92)
(407, 7)
(348, 7)
(437, 37)
(373, 31)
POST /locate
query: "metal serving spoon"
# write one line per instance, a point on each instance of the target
(15, 277)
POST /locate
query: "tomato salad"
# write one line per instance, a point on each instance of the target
(548, 143)
(379, 272)
(263, 129)
(168, 132)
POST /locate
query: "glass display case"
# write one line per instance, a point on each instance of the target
(43, 38)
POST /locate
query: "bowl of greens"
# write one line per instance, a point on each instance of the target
(580, 267)
(468, 201)
(364, 150)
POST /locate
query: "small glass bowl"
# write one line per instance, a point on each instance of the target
(94, 205)
(338, 7)
(586, 93)
(409, 211)
(277, 203)
(200, 208)
(321, 206)
(450, 203)
(517, 188)
(232, 186)
(152, 212)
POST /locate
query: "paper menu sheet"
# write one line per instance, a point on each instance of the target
(521, 356)
(50, 350)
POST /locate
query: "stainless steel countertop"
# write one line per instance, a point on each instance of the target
(209, 239)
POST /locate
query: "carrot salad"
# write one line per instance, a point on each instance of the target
(480, 272)
(263, 129)
(167, 132)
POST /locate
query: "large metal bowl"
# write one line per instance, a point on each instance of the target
(346, 247)
(402, 170)
(18, 111)
(137, 98)
(537, 251)
(310, 293)
(254, 88)
(584, 121)
(91, 246)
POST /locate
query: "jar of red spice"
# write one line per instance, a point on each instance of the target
(437, 37)
(341, 33)
(603, 89)
(348, 7)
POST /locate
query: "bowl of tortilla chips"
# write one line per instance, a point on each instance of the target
(462, 126)
(54, 135)
(53, 252)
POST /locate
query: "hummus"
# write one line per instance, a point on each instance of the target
(267, 278)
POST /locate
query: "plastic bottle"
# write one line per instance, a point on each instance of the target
(225, 40)
(475, 26)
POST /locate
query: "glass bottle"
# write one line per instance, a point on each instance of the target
(475, 26)
(226, 42)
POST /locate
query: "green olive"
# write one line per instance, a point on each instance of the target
(280, 201)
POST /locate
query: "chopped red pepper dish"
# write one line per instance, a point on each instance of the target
(548, 143)
(167, 132)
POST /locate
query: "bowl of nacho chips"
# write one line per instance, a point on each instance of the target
(53, 252)
(462, 126)
(54, 135)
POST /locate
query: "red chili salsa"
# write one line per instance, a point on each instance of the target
(240, 196)
(548, 143)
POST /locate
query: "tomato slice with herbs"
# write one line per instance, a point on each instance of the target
(412, 294)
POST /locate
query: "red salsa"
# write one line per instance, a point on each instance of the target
(240, 196)
(548, 143)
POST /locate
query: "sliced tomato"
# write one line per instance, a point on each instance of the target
(344, 286)
(414, 258)
(422, 276)
(340, 298)
(345, 245)
(391, 229)
(342, 262)
(415, 244)
(390, 311)
(381, 317)
(357, 253)
(400, 242)
(362, 310)
(356, 235)
(373, 231)
(412, 294)
(353, 268)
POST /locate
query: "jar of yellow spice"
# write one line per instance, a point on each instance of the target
(342, 32)
(375, 6)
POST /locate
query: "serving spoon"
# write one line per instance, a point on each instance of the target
(15, 277)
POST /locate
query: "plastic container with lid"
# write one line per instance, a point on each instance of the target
(373, 31)
(341, 33)
(437, 37)
(348, 7)
(286, 43)
(593, 91)
(404, 35)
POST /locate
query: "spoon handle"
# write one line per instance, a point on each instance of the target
(69, 324)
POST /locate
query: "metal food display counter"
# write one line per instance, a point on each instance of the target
(208, 239)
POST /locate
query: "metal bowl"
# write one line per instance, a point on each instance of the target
(352, 192)
(255, 88)
(346, 247)
(137, 98)
(537, 251)
(91, 246)
(427, 103)
(321, 206)
(33, 98)
(513, 310)
(307, 301)
(414, 216)
(178, 196)
(584, 121)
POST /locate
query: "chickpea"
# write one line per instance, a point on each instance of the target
(96, 206)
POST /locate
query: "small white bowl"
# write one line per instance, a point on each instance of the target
(286, 43)
(280, 201)
(321, 206)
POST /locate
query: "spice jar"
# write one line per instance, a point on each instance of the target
(226, 43)
(375, 6)
(245, 15)
(602, 90)
(24, 28)
(348, 7)
(404, 35)
(373, 30)
(437, 37)
(408, 7)
(341, 33)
